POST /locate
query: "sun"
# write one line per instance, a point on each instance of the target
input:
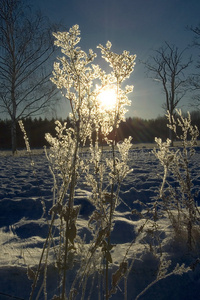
(107, 98)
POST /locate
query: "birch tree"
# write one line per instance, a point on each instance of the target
(26, 46)
(194, 79)
(168, 67)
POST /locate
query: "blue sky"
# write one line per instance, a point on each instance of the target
(138, 26)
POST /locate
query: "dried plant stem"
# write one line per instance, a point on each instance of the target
(41, 257)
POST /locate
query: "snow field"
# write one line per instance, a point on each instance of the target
(23, 228)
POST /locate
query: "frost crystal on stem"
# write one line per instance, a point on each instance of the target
(177, 197)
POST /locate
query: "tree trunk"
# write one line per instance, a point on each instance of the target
(14, 136)
(14, 110)
(171, 137)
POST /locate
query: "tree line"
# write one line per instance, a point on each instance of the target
(141, 130)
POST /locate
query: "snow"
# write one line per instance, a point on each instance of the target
(23, 228)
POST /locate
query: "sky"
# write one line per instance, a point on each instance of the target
(138, 26)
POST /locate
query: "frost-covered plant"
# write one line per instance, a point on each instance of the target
(163, 273)
(109, 173)
(178, 200)
(104, 177)
(77, 77)
(122, 66)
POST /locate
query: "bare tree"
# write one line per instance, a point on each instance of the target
(168, 68)
(26, 47)
(194, 79)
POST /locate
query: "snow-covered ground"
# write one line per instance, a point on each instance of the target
(23, 228)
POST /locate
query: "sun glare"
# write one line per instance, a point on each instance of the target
(107, 98)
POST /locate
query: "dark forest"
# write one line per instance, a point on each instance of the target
(142, 131)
